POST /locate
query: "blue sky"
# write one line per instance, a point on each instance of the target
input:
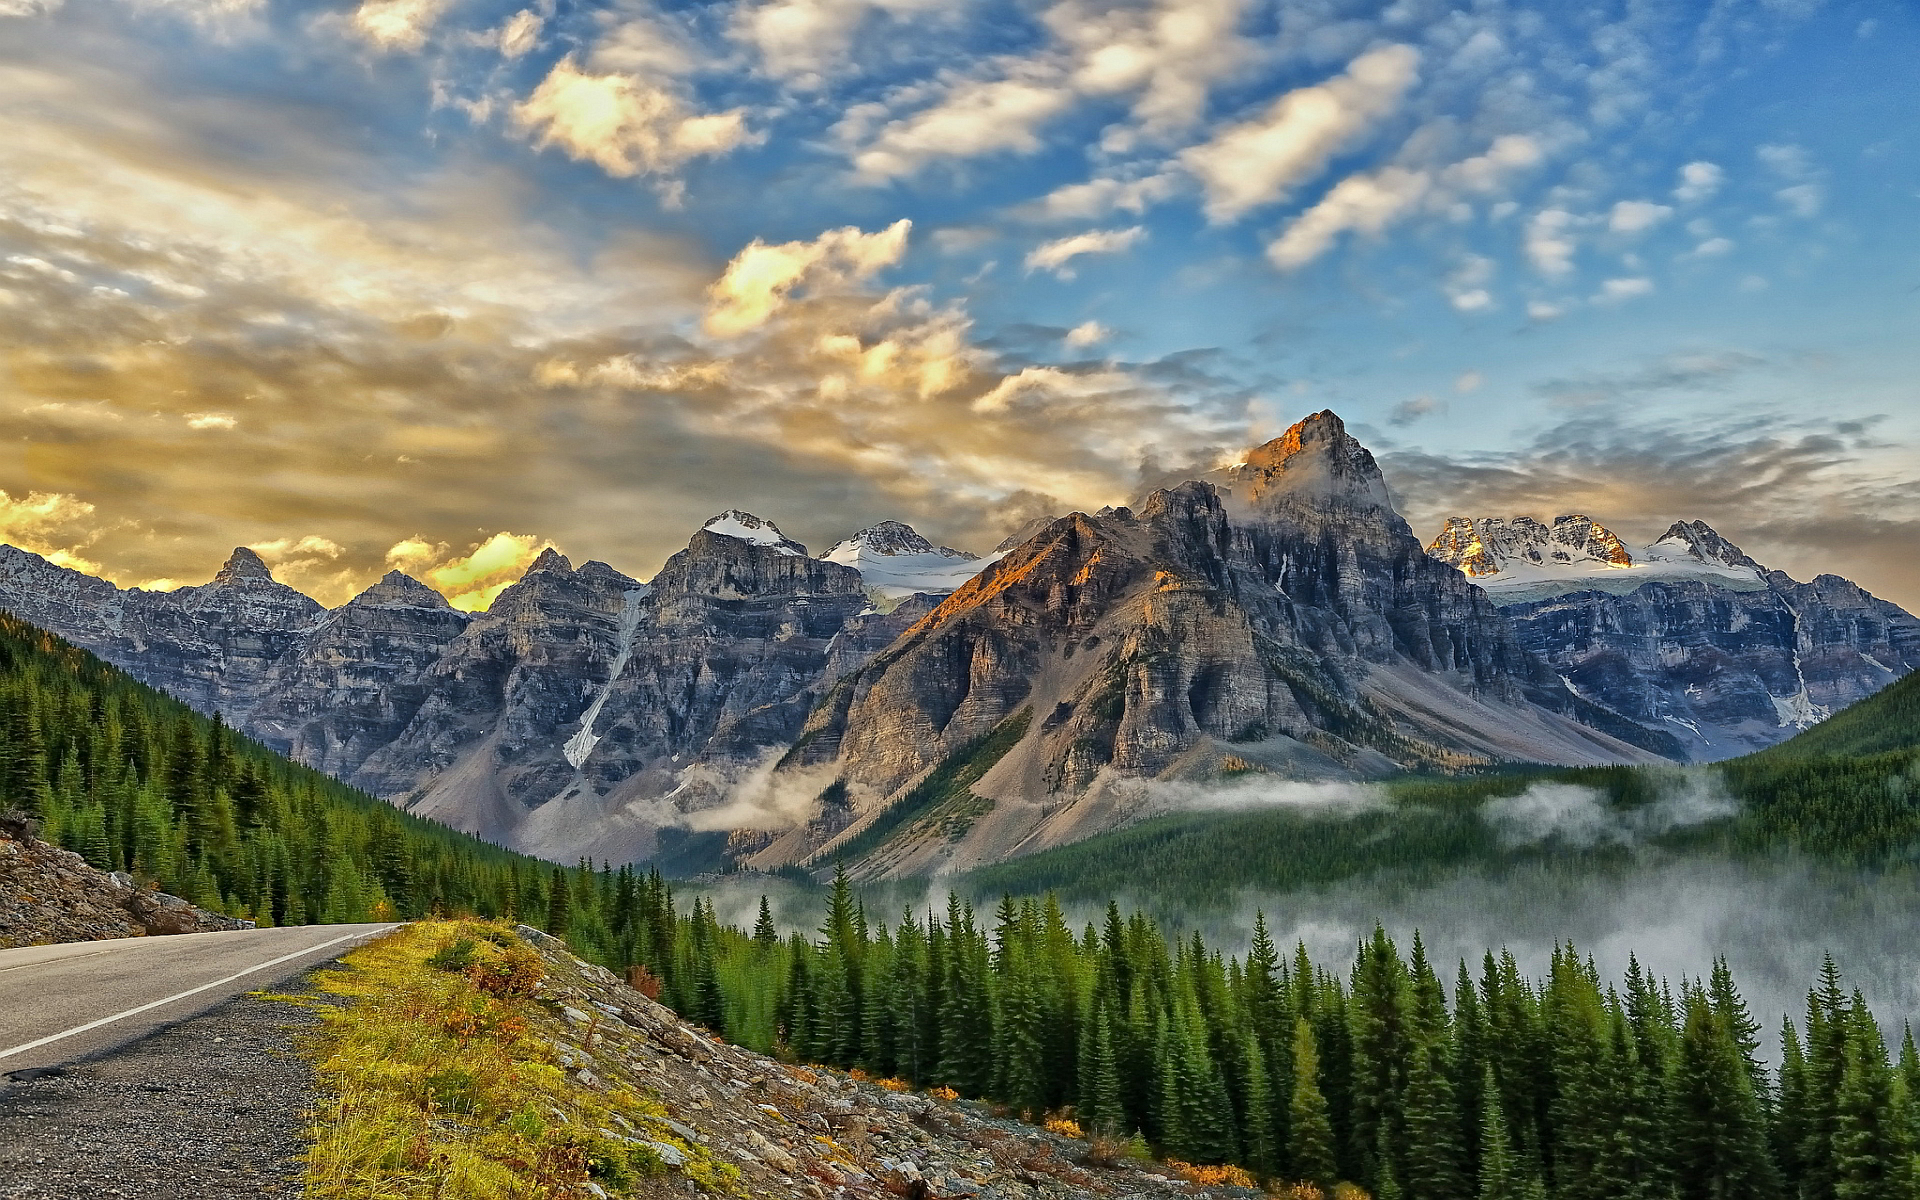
(432, 283)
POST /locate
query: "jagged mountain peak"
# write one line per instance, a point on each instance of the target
(890, 539)
(551, 560)
(244, 565)
(397, 589)
(1486, 546)
(1701, 541)
(759, 531)
(1316, 462)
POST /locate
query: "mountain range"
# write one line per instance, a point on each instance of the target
(926, 710)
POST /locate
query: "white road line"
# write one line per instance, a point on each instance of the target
(134, 1012)
(63, 958)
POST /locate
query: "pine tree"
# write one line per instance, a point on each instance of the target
(1432, 1160)
(1870, 1148)
(559, 904)
(1310, 1145)
(1501, 1173)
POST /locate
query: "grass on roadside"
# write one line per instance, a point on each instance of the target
(436, 1085)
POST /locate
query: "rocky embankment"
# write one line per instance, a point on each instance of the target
(51, 895)
(807, 1131)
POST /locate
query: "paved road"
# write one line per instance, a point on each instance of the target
(59, 1003)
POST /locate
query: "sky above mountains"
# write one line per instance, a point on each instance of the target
(433, 283)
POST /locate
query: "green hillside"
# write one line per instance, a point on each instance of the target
(1889, 720)
(136, 781)
(1846, 791)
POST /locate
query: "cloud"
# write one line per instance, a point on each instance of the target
(1802, 199)
(624, 124)
(1583, 817)
(199, 420)
(1637, 216)
(805, 41)
(1257, 162)
(521, 33)
(1055, 255)
(1469, 381)
(1365, 203)
(1698, 181)
(974, 118)
(397, 25)
(1681, 373)
(54, 525)
(760, 278)
(1467, 287)
(1420, 407)
(1100, 196)
(1712, 248)
(471, 581)
(1368, 202)
(1616, 291)
(1258, 791)
(1087, 333)
(1549, 241)
(1166, 56)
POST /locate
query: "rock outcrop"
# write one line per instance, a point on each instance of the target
(51, 895)
(1689, 633)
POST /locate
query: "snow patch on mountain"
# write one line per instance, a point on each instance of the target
(1523, 560)
(748, 528)
(894, 561)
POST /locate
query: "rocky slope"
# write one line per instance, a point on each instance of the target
(809, 1131)
(1284, 620)
(51, 895)
(212, 646)
(1689, 633)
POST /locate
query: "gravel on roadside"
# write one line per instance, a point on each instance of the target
(210, 1109)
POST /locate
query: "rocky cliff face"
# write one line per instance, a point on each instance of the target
(212, 646)
(1688, 633)
(1286, 620)
(50, 895)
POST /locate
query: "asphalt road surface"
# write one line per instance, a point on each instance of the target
(64, 1002)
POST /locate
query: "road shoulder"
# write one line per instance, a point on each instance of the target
(211, 1108)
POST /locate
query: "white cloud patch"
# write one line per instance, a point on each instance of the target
(211, 420)
(1698, 181)
(1257, 162)
(1550, 243)
(1583, 817)
(1100, 196)
(521, 33)
(803, 41)
(397, 26)
(1467, 286)
(974, 118)
(1057, 254)
(624, 123)
(1616, 291)
(1637, 216)
(1087, 333)
(1370, 201)
(761, 277)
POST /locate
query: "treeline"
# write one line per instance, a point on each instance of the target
(136, 781)
(1484, 1086)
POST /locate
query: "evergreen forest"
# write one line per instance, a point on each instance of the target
(1408, 1078)
(136, 781)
